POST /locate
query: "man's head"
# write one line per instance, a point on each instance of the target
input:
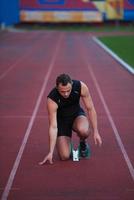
(64, 85)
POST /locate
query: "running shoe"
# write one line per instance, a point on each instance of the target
(84, 150)
(71, 150)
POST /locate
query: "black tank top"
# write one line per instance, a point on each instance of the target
(67, 106)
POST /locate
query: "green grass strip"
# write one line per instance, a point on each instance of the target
(123, 46)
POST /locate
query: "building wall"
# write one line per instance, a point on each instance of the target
(60, 11)
(9, 12)
(76, 10)
(15, 11)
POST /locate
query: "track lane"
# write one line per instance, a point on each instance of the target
(118, 92)
(109, 116)
(30, 93)
(105, 175)
(17, 48)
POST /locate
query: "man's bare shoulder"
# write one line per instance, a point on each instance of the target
(51, 105)
(84, 89)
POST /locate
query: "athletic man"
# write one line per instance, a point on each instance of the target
(65, 115)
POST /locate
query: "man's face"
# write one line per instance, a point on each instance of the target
(65, 90)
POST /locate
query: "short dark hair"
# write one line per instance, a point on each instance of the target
(64, 79)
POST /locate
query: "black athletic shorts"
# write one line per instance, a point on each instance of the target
(65, 124)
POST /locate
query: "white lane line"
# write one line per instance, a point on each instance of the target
(27, 133)
(116, 133)
(117, 58)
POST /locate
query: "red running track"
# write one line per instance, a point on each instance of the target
(29, 64)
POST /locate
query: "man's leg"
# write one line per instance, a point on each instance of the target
(81, 127)
(64, 147)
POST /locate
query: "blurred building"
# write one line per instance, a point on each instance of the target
(76, 10)
(15, 11)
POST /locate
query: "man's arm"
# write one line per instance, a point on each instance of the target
(52, 114)
(87, 100)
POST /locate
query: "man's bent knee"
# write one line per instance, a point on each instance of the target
(83, 133)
